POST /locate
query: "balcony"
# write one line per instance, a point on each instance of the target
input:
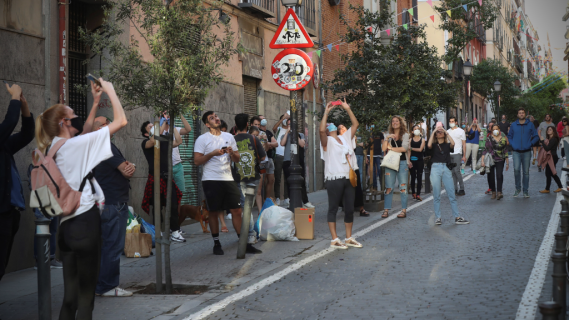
(518, 64)
(307, 15)
(262, 8)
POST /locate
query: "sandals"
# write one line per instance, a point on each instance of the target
(403, 214)
(224, 229)
(385, 213)
(351, 242)
(338, 244)
(364, 213)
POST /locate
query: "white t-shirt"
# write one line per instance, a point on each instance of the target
(175, 151)
(79, 156)
(217, 168)
(336, 166)
(459, 138)
(279, 136)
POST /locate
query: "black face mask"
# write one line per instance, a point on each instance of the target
(77, 124)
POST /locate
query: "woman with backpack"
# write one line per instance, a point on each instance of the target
(497, 146)
(79, 238)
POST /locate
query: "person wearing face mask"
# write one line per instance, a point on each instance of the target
(457, 155)
(497, 146)
(280, 129)
(79, 236)
(177, 167)
(271, 145)
(472, 144)
(541, 131)
(415, 161)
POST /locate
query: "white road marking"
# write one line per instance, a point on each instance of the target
(530, 298)
(209, 310)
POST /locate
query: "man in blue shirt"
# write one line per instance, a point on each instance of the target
(522, 136)
(11, 195)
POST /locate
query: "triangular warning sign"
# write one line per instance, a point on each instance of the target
(291, 33)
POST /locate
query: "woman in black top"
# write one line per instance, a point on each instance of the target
(415, 161)
(544, 160)
(441, 144)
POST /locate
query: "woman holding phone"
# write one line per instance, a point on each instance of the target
(79, 237)
(441, 144)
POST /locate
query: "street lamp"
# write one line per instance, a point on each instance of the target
(467, 71)
(291, 3)
(497, 88)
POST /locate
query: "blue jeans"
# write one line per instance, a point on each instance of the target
(242, 187)
(113, 231)
(441, 175)
(402, 176)
(360, 159)
(52, 230)
(522, 162)
(376, 171)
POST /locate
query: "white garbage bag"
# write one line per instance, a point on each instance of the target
(277, 224)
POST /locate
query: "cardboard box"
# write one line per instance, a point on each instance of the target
(304, 223)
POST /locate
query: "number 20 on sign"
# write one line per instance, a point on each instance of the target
(292, 69)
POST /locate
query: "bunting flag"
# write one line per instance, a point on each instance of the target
(480, 2)
(318, 53)
(329, 47)
(310, 54)
(338, 47)
(448, 12)
(405, 26)
(410, 11)
(430, 2)
(433, 18)
(465, 7)
(388, 32)
(368, 29)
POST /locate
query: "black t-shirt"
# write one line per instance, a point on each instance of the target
(398, 144)
(149, 154)
(440, 153)
(115, 186)
(377, 140)
(416, 144)
(536, 124)
(504, 126)
(272, 152)
(359, 150)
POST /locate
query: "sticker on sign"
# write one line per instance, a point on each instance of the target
(291, 33)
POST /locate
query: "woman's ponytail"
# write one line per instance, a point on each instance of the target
(47, 126)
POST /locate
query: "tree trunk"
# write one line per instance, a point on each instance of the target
(167, 216)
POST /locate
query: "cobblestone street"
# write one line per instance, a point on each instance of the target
(408, 269)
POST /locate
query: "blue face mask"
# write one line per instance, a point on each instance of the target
(332, 127)
(464, 126)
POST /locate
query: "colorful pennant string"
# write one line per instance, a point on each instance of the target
(448, 12)
(433, 18)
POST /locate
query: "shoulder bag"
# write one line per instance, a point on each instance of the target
(353, 177)
(262, 169)
(392, 159)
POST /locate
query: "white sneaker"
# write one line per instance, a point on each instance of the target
(117, 292)
(308, 205)
(56, 264)
(229, 216)
(278, 202)
(286, 203)
(177, 237)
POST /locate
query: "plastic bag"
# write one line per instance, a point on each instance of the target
(148, 228)
(277, 223)
(268, 203)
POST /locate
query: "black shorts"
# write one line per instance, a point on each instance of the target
(221, 195)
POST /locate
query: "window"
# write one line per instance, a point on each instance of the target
(250, 96)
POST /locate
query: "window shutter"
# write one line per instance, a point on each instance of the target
(250, 96)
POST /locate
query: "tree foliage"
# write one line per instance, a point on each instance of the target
(188, 47)
(380, 80)
(482, 80)
(542, 99)
(462, 25)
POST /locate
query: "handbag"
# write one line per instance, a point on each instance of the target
(262, 170)
(392, 160)
(353, 177)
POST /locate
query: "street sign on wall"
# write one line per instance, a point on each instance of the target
(291, 33)
(292, 69)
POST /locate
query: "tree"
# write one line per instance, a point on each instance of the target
(462, 25)
(381, 80)
(188, 45)
(482, 80)
(543, 99)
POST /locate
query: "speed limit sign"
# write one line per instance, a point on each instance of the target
(292, 69)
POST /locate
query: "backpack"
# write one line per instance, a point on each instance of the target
(51, 194)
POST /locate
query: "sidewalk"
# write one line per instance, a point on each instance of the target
(192, 264)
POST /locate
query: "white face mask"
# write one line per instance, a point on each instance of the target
(284, 122)
(452, 125)
(416, 132)
(496, 132)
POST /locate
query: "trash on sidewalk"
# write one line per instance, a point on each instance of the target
(139, 238)
(304, 223)
(276, 223)
(268, 203)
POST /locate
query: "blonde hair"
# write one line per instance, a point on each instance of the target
(402, 126)
(47, 125)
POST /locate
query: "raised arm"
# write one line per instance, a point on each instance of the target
(119, 117)
(187, 128)
(21, 139)
(322, 131)
(11, 119)
(431, 139)
(177, 138)
(355, 123)
(96, 91)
